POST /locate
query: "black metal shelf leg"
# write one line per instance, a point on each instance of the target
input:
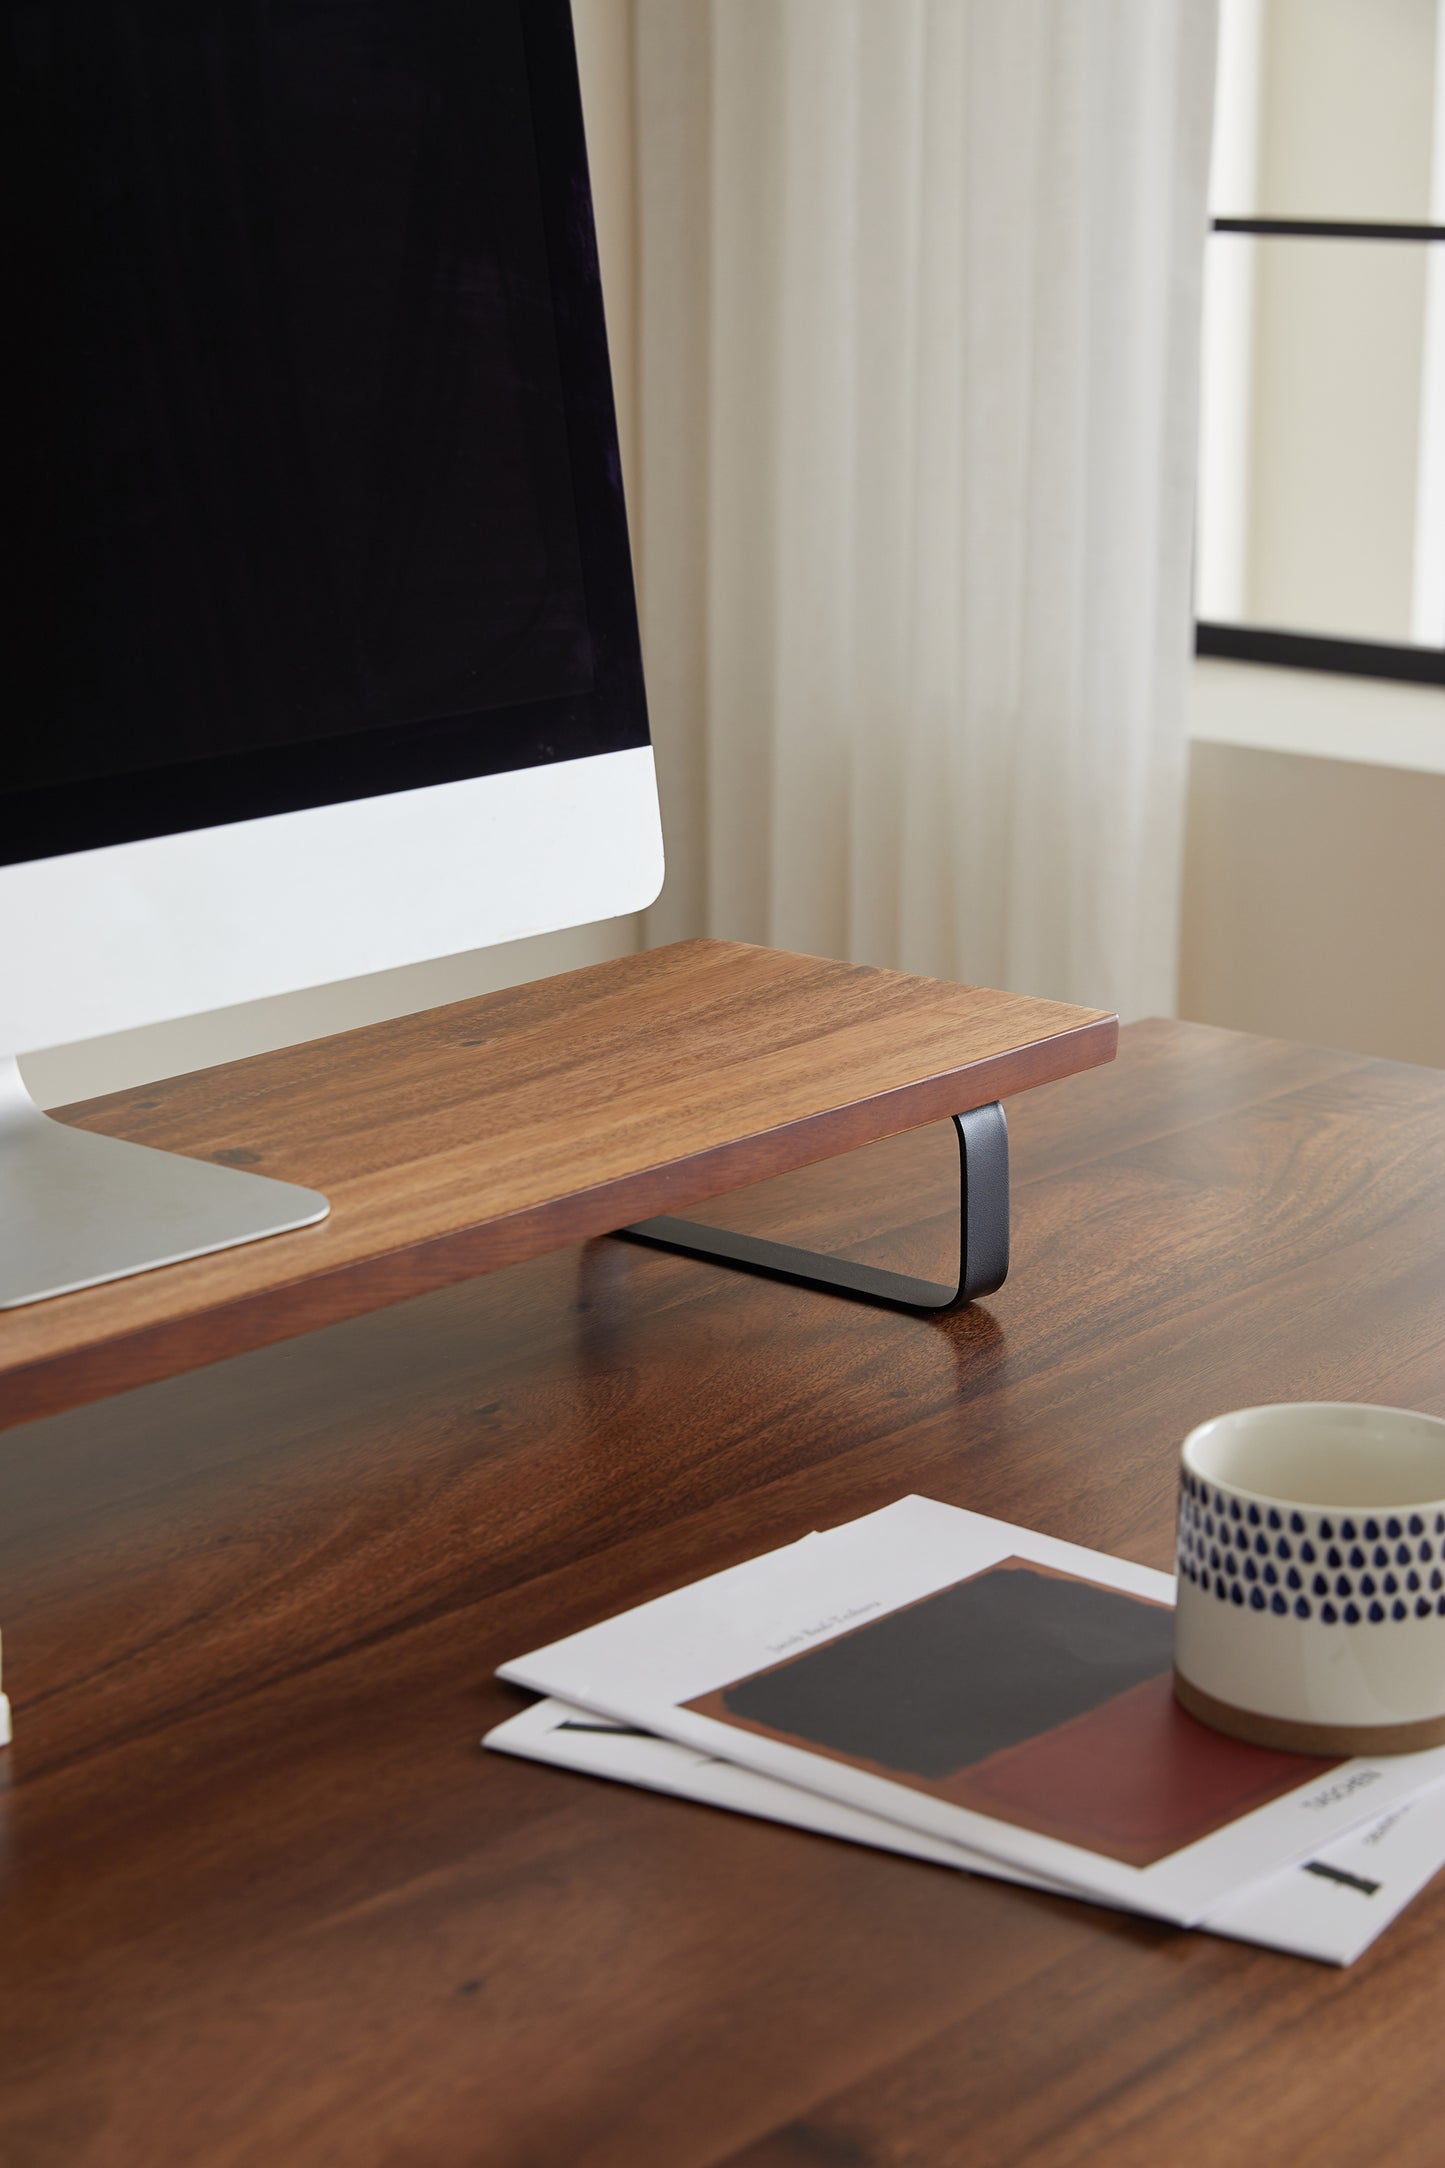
(983, 1235)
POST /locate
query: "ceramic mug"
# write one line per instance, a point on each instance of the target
(1311, 1601)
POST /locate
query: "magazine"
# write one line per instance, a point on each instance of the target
(1330, 1907)
(983, 1685)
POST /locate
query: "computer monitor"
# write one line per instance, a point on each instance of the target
(321, 650)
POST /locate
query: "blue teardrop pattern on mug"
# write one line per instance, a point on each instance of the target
(1235, 1554)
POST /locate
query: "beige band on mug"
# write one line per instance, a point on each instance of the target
(1296, 1738)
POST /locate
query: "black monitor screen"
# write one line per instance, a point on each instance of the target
(313, 486)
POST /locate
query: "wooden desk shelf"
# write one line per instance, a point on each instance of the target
(486, 1132)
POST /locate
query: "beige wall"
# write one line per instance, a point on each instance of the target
(100, 1065)
(1314, 901)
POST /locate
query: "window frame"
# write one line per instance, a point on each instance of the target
(1409, 663)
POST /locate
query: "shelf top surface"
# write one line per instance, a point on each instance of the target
(480, 1134)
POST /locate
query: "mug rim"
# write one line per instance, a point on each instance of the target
(1310, 1505)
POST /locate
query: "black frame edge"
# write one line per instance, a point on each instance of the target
(1312, 651)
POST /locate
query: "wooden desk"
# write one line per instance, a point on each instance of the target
(265, 1901)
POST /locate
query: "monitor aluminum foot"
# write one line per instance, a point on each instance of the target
(77, 1209)
(983, 1236)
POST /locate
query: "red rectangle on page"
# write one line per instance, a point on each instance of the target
(1136, 1779)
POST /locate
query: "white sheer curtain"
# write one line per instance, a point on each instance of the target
(919, 320)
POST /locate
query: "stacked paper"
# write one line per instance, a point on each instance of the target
(934, 1683)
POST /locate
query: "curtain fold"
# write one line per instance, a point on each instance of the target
(918, 331)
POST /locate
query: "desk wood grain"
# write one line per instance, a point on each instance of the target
(264, 1901)
(487, 1132)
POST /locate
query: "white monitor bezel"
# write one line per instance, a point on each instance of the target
(179, 924)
